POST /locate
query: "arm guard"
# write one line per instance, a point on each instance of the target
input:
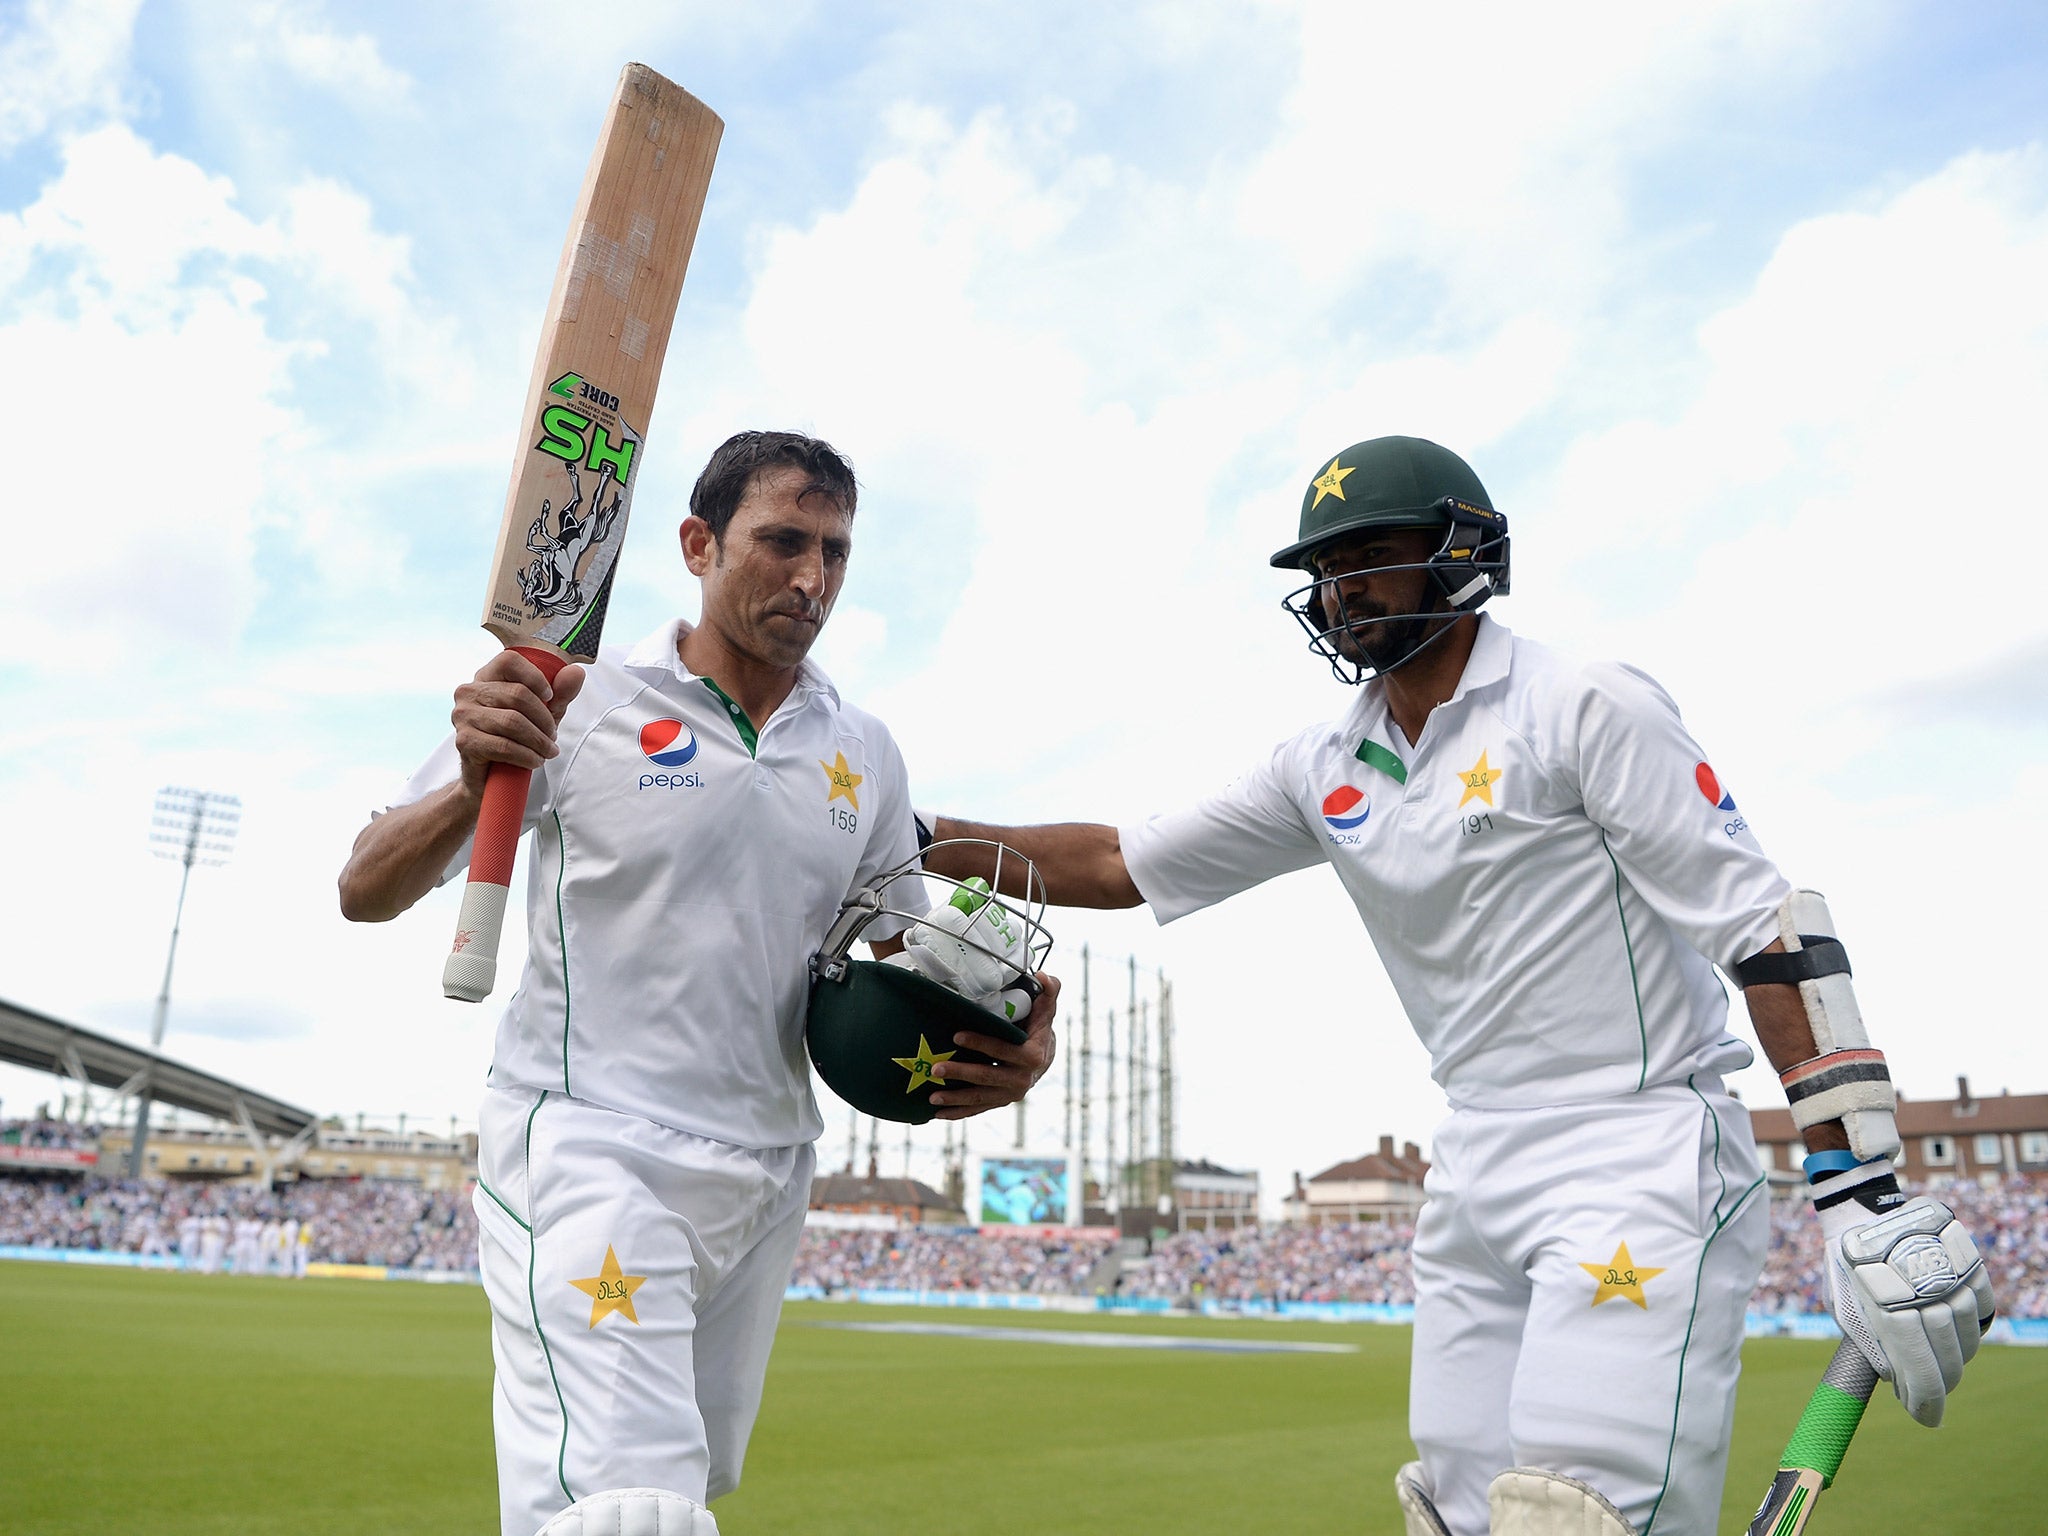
(1848, 1080)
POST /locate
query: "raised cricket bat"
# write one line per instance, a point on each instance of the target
(1814, 1455)
(587, 409)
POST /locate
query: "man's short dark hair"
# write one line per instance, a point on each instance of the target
(723, 485)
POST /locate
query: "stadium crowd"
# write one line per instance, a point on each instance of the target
(920, 1259)
(241, 1227)
(238, 1227)
(2008, 1220)
(1363, 1261)
(42, 1131)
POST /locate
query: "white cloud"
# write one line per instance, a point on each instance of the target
(349, 65)
(62, 60)
(1471, 396)
(902, 280)
(129, 221)
(1485, 148)
(329, 233)
(184, 330)
(1860, 439)
(174, 397)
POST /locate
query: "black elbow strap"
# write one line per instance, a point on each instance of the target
(1819, 956)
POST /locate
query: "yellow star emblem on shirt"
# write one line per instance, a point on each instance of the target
(610, 1290)
(1478, 781)
(1329, 483)
(844, 780)
(920, 1066)
(1621, 1276)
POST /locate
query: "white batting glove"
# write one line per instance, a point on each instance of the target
(970, 943)
(1909, 1287)
(1012, 1003)
(974, 946)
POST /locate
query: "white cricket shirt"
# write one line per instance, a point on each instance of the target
(1546, 874)
(680, 878)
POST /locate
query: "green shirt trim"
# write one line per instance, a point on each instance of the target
(1373, 755)
(562, 932)
(1692, 1318)
(1634, 984)
(533, 1305)
(741, 723)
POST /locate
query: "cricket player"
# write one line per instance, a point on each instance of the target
(704, 802)
(1550, 871)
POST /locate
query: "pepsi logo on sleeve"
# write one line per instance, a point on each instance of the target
(1720, 799)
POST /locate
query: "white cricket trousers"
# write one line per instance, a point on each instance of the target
(635, 1275)
(1581, 1275)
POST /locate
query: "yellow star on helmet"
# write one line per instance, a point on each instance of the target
(844, 780)
(1621, 1276)
(1478, 781)
(1329, 483)
(920, 1066)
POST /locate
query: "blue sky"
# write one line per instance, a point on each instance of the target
(1736, 308)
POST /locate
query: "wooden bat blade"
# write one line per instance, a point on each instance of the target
(588, 404)
(599, 365)
(1814, 1454)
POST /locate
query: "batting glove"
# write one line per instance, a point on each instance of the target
(1908, 1286)
(975, 946)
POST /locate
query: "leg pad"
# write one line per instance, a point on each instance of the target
(1527, 1501)
(632, 1512)
(1416, 1506)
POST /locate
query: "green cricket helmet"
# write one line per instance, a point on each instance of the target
(1394, 482)
(876, 1028)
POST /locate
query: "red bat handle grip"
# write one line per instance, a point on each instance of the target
(472, 966)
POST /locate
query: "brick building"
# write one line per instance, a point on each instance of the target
(1966, 1137)
(1208, 1197)
(1382, 1185)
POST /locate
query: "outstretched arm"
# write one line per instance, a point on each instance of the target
(1082, 863)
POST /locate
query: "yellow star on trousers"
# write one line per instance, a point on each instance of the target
(1478, 781)
(844, 780)
(611, 1291)
(920, 1066)
(1621, 1276)
(1329, 483)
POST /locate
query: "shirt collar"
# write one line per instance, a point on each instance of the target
(1492, 651)
(660, 652)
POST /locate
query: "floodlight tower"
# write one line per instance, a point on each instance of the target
(193, 826)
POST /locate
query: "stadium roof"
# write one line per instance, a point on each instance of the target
(31, 1039)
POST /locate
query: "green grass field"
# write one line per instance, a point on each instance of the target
(183, 1405)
